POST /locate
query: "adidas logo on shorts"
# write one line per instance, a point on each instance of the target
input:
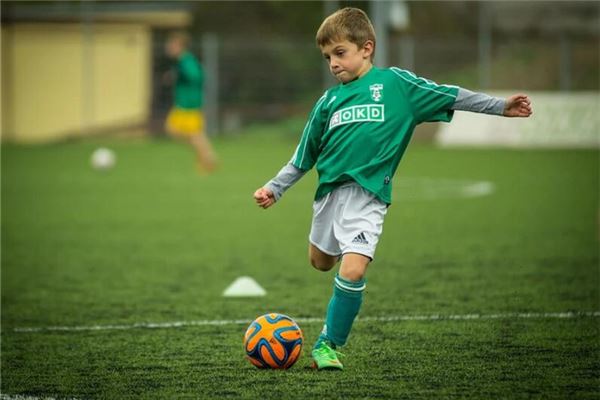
(360, 239)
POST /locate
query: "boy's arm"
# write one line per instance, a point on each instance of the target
(304, 159)
(518, 105)
(285, 178)
(191, 70)
(273, 190)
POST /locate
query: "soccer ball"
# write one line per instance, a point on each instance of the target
(273, 341)
(103, 159)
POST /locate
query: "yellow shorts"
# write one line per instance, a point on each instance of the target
(181, 121)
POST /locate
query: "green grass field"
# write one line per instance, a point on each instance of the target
(151, 241)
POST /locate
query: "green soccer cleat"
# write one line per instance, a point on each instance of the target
(325, 357)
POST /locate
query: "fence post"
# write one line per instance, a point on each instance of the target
(210, 62)
(329, 7)
(380, 15)
(407, 52)
(87, 64)
(485, 45)
(565, 62)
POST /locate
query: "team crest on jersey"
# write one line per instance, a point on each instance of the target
(376, 91)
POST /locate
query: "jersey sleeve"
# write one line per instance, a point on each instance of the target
(430, 102)
(308, 149)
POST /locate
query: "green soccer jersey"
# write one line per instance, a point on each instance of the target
(359, 130)
(188, 87)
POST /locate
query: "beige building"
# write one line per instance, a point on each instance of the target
(68, 79)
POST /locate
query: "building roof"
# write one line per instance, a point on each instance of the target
(156, 14)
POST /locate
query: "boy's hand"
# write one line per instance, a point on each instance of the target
(518, 105)
(264, 197)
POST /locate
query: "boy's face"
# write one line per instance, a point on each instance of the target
(346, 60)
(174, 48)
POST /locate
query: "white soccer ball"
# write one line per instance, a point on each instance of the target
(103, 159)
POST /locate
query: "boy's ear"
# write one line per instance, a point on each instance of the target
(368, 48)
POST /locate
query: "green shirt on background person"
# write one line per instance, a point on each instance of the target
(188, 85)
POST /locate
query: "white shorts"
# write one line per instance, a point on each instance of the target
(347, 220)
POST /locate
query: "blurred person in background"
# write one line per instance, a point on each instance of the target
(185, 119)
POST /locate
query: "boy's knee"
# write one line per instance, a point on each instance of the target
(320, 260)
(354, 266)
(322, 264)
(354, 275)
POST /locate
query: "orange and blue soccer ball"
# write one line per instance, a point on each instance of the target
(273, 341)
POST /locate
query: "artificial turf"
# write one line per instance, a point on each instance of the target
(152, 241)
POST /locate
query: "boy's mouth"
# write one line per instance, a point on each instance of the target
(343, 76)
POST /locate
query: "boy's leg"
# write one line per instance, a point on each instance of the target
(343, 308)
(346, 300)
(176, 127)
(171, 122)
(354, 266)
(188, 125)
(204, 151)
(320, 260)
(323, 248)
(357, 226)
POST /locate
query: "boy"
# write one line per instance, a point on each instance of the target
(185, 118)
(356, 135)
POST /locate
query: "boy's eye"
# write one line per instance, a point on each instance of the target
(340, 53)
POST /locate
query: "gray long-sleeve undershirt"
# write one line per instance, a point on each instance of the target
(285, 178)
(478, 102)
(465, 101)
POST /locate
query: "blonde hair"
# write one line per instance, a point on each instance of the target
(350, 24)
(180, 36)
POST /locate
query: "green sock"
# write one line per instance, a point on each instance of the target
(343, 308)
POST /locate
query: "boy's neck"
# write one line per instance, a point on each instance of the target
(365, 70)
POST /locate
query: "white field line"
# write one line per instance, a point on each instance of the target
(391, 318)
(25, 397)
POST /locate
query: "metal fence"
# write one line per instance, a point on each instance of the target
(253, 79)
